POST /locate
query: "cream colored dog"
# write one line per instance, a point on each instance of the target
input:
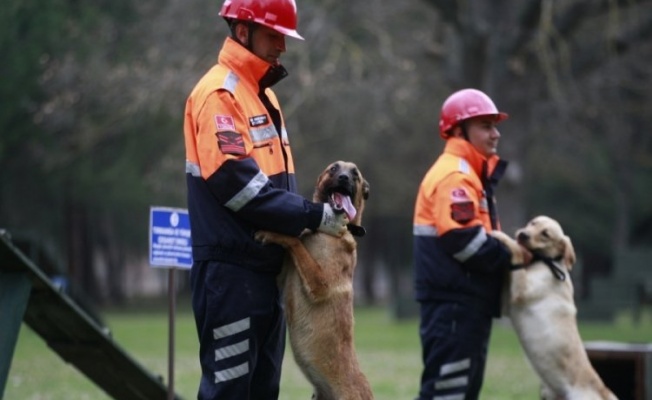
(317, 285)
(542, 310)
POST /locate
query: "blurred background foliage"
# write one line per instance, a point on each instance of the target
(93, 96)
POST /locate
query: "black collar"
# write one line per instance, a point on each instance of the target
(356, 230)
(552, 263)
(274, 74)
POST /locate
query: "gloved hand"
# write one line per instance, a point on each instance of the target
(333, 223)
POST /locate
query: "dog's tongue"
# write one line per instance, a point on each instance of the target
(343, 203)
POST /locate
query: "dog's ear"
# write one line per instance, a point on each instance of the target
(569, 253)
(365, 189)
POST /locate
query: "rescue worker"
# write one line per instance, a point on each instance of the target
(240, 179)
(459, 269)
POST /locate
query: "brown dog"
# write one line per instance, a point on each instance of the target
(542, 310)
(318, 291)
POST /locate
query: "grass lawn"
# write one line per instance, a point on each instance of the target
(388, 350)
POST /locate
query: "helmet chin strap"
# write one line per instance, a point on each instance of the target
(465, 132)
(251, 27)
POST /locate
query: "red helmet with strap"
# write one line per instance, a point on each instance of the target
(279, 15)
(465, 104)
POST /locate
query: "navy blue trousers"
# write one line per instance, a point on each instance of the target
(241, 331)
(454, 342)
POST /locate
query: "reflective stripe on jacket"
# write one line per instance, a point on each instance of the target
(239, 167)
(454, 257)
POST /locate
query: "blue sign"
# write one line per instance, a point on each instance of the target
(169, 237)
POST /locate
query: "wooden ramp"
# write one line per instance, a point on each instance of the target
(26, 294)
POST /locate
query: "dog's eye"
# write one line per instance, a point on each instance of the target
(545, 234)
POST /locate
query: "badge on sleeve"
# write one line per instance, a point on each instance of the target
(459, 195)
(462, 208)
(231, 143)
(228, 140)
(224, 123)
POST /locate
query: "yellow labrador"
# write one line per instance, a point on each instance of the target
(542, 310)
(317, 284)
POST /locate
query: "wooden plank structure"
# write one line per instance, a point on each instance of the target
(27, 295)
(626, 368)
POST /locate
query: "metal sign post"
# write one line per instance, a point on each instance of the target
(171, 323)
(170, 246)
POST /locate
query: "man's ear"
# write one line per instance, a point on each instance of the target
(455, 131)
(242, 33)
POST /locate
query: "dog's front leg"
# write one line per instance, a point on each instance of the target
(518, 287)
(518, 278)
(311, 273)
(518, 256)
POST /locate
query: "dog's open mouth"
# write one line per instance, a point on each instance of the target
(342, 203)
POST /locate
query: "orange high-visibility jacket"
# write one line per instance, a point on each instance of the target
(454, 257)
(239, 167)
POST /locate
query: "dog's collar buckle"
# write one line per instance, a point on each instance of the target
(356, 230)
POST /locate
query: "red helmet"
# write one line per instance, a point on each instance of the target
(465, 104)
(280, 15)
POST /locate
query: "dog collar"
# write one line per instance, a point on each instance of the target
(556, 270)
(356, 230)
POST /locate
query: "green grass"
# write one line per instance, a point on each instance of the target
(388, 350)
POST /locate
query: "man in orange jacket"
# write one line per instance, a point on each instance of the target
(240, 178)
(459, 268)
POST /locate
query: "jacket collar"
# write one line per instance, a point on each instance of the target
(462, 148)
(247, 66)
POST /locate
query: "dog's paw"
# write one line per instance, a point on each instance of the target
(267, 237)
(264, 237)
(502, 236)
(518, 252)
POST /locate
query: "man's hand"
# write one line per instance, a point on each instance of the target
(333, 223)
